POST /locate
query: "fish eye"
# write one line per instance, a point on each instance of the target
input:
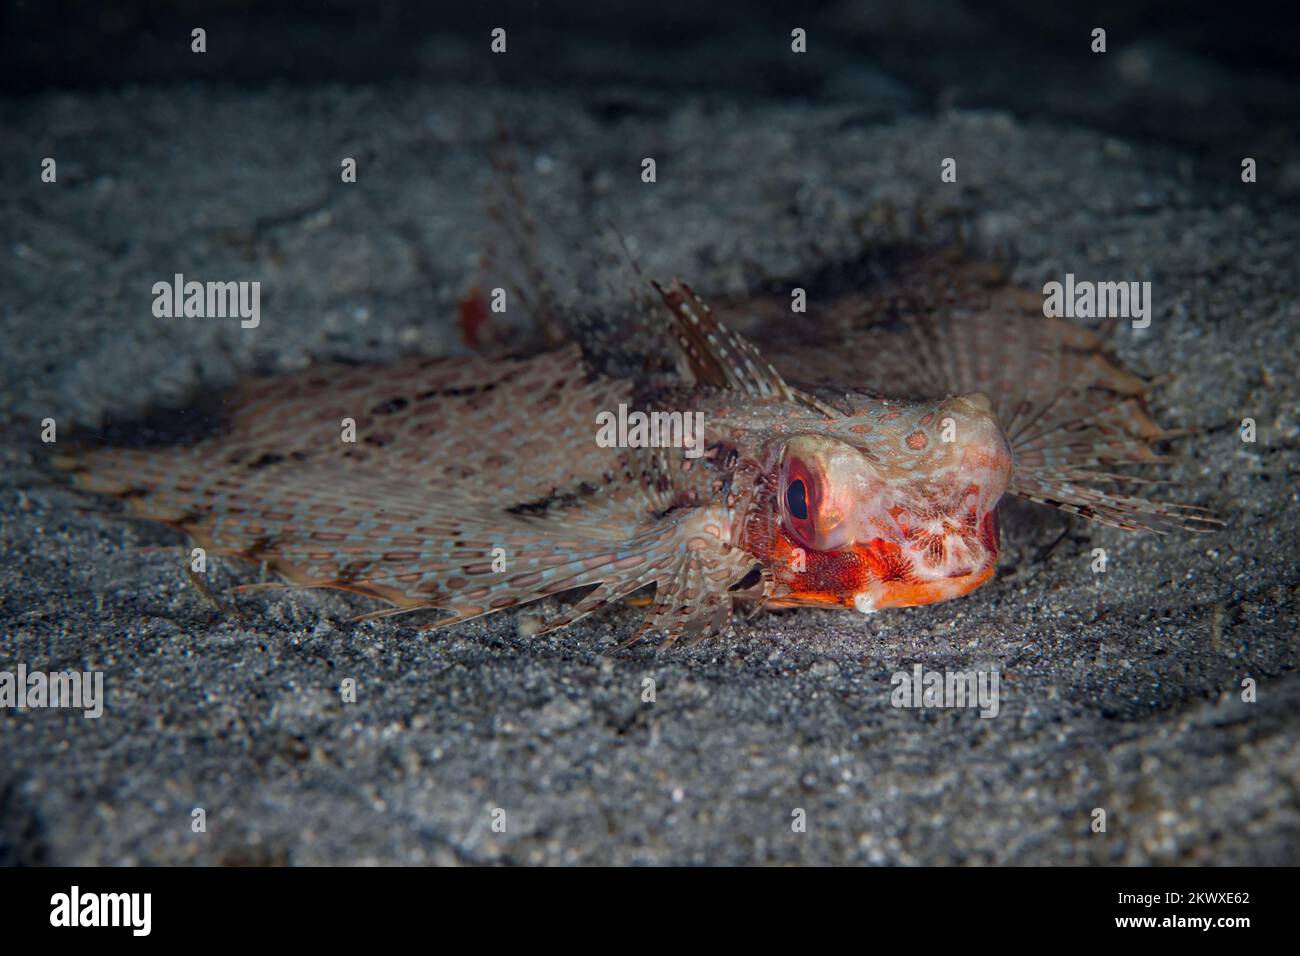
(799, 503)
(796, 499)
(815, 493)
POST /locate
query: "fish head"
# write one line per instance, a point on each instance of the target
(894, 507)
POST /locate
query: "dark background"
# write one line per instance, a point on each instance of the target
(1192, 73)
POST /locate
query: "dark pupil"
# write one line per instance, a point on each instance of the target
(796, 499)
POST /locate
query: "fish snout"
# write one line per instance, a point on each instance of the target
(981, 452)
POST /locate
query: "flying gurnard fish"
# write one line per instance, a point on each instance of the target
(853, 456)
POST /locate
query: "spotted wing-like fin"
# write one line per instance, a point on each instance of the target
(472, 486)
(509, 431)
(692, 569)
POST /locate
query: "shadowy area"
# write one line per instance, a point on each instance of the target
(1201, 73)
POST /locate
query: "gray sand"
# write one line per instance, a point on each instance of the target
(1121, 691)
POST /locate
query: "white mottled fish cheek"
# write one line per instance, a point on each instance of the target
(866, 513)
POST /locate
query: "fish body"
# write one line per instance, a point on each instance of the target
(850, 458)
(476, 485)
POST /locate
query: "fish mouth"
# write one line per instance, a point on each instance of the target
(872, 595)
(879, 595)
(887, 573)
